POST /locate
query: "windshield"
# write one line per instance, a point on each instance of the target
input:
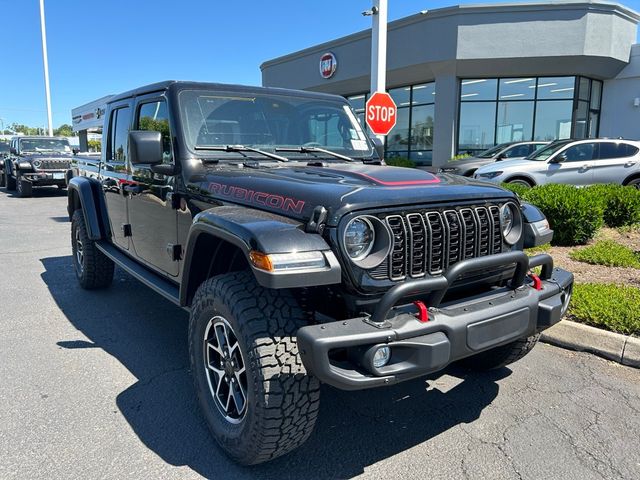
(267, 122)
(493, 151)
(44, 145)
(545, 152)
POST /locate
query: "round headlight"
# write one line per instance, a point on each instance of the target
(358, 238)
(510, 223)
(37, 163)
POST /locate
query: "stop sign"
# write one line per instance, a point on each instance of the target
(381, 113)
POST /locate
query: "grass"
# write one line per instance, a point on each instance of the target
(539, 249)
(605, 305)
(607, 252)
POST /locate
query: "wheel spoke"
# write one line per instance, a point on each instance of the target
(239, 397)
(220, 336)
(215, 349)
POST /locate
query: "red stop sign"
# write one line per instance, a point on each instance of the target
(381, 113)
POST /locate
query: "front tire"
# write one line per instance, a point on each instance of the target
(257, 398)
(93, 268)
(25, 188)
(520, 181)
(11, 181)
(501, 356)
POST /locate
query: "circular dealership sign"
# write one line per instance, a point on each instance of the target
(328, 65)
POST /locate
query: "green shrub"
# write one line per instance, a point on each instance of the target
(400, 162)
(460, 156)
(609, 306)
(607, 252)
(573, 213)
(516, 188)
(621, 205)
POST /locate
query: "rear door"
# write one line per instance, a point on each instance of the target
(114, 172)
(577, 169)
(616, 160)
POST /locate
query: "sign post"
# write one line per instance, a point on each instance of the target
(379, 50)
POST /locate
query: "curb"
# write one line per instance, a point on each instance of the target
(623, 349)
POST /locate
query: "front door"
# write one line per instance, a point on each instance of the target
(152, 213)
(114, 173)
(577, 168)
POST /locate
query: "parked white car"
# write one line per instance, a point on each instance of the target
(574, 162)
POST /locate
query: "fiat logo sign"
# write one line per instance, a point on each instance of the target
(328, 65)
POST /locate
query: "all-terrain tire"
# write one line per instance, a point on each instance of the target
(2, 179)
(93, 268)
(11, 181)
(501, 356)
(25, 188)
(283, 399)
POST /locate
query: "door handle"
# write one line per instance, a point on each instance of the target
(586, 166)
(629, 164)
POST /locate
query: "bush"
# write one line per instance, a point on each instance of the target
(516, 188)
(573, 213)
(399, 162)
(621, 205)
(460, 156)
(607, 252)
(609, 306)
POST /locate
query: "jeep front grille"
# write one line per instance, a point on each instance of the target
(430, 242)
(54, 165)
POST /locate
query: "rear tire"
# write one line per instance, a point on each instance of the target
(634, 182)
(257, 398)
(3, 182)
(25, 188)
(11, 182)
(93, 268)
(501, 356)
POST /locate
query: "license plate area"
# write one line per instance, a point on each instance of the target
(497, 330)
(58, 175)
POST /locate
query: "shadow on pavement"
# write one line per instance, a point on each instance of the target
(148, 335)
(40, 192)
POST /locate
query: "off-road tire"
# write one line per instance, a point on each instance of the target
(25, 188)
(501, 356)
(283, 399)
(2, 179)
(94, 269)
(10, 181)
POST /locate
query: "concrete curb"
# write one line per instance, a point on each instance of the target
(620, 348)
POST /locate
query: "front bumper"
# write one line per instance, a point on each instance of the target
(43, 178)
(340, 353)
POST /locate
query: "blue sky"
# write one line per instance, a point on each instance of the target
(108, 46)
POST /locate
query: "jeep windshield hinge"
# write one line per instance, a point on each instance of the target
(174, 251)
(317, 220)
(126, 229)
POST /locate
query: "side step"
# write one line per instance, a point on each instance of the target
(165, 288)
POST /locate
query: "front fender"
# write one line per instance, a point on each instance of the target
(250, 229)
(86, 193)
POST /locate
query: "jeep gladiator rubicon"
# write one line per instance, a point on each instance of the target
(302, 258)
(35, 162)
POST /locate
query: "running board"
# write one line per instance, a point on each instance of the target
(167, 289)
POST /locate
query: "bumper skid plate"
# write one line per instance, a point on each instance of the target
(340, 353)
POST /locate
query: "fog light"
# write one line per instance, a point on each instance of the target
(381, 357)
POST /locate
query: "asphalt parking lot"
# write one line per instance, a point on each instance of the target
(96, 385)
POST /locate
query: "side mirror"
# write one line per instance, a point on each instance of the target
(13, 151)
(75, 151)
(502, 156)
(558, 158)
(379, 146)
(145, 147)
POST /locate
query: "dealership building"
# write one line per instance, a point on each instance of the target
(465, 78)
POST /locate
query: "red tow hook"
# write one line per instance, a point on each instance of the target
(423, 313)
(537, 283)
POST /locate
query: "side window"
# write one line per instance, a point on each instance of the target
(616, 150)
(154, 117)
(119, 135)
(517, 151)
(581, 152)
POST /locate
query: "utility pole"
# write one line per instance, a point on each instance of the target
(46, 67)
(378, 15)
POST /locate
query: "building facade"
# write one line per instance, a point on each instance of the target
(466, 78)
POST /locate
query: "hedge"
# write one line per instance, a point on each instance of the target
(621, 205)
(609, 306)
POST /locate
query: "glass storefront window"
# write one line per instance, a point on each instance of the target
(581, 119)
(552, 88)
(596, 94)
(357, 101)
(425, 93)
(515, 121)
(422, 127)
(477, 126)
(583, 88)
(401, 96)
(398, 138)
(517, 88)
(553, 120)
(478, 89)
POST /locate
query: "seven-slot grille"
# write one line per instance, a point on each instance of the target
(430, 242)
(54, 164)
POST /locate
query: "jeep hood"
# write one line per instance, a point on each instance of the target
(295, 191)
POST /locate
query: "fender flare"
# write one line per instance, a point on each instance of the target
(524, 176)
(250, 229)
(88, 193)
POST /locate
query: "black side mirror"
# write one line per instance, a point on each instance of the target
(558, 158)
(75, 151)
(379, 146)
(145, 147)
(13, 151)
(502, 156)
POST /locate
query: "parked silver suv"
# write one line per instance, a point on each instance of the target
(575, 162)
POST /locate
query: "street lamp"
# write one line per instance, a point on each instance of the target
(46, 67)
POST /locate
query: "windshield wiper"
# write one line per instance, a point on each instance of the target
(316, 150)
(240, 149)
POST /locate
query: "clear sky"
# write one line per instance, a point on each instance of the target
(99, 47)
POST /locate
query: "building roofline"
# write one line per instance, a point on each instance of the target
(471, 9)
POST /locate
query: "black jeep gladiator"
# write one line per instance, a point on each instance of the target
(35, 162)
(302, 258)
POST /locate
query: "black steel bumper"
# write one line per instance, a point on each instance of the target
(41, 178)
(340, 353)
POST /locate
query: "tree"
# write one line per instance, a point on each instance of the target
(64, 130)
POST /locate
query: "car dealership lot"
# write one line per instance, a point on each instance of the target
(96, 384)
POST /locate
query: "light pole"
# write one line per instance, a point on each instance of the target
(378, 15)
(46, 67)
